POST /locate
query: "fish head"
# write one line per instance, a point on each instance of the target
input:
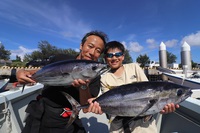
(180, 93)
(94, 69)
(183, 93)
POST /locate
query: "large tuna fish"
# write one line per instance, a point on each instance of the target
(136, 99)
(63, 73)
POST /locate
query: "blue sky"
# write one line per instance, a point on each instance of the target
(141, 25)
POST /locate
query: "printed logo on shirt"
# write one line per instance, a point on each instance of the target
(133, 77)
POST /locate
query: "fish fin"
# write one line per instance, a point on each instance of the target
(64, 73)
(75, 109)
(149, 105)
(23, 88)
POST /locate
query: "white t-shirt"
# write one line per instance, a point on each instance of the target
(132, 73)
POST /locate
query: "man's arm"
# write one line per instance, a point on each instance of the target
(84, 93)
(86, 97)
(24, 76)
(20, 75)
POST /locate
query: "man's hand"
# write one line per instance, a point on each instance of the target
(169, 108)
(24, 76)
(80, 82)
(94, 107)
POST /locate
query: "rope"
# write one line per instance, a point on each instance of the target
(183, 80)
(8, 122)
(6, 112)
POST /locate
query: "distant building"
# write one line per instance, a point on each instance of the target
(173, 65)
(5, 62)
(152, 64)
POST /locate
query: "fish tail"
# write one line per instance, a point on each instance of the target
(75, 108)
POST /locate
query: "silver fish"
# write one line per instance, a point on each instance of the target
(63, 73)
(136, 99)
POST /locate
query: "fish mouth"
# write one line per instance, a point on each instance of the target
(189, 93)
(104, 69)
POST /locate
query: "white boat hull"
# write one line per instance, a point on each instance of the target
(193, 83)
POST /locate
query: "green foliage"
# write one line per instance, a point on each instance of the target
(4, 54)
(127, 57)
(143, 59)
(68, 51)
(45, 50)
(171, 58)
(18, 58)
(194, 65)
(18, 64)
(27, 58)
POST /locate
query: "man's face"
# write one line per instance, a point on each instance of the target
(114, 58)
(92, 48)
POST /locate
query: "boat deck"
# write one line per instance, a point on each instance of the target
(13, 104)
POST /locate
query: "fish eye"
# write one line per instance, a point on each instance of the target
(179, 92)
(94, 67)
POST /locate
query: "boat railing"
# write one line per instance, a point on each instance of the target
(12, 107)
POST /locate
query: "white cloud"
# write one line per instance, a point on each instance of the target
(44, 16)
(124, 43)
(192, 39)
(119, 26)
(21, 52)
(134, 47)
(171, 43)
(77, 50)
(152, 43)
(131, 37)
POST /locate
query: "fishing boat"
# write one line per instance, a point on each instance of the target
(13, 104)
(186, 78)
(3, 84)
(190, 81)
(12, 107)
(187, 117)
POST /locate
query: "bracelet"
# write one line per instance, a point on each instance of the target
(83, 87)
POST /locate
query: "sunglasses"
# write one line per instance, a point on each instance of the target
(110, 55)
